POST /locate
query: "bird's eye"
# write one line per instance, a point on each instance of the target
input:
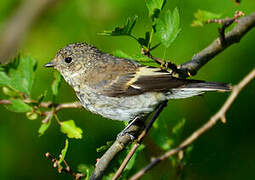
(68, 59)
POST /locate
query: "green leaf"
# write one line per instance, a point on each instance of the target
(142, 59)
(18, 105)
(56, 83)
(154, 7)
(10, 92)
(22, 78)
(138, 58)
(124, 30)
(4, 79)
(168, 27)
(63, 152)
(202, 17)
(69, 128)
(44, 127)
(121, 54)
(31, 115)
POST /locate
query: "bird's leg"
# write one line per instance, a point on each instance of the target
(130, 123)
(127, 129)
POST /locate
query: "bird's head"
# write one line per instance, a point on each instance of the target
(73, 58)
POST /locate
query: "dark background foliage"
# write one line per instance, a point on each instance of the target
(225, 152)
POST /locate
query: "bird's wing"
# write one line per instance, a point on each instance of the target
(137, 81)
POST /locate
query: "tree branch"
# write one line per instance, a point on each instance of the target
(120, 143)
(58, 107)
(49, 104)
(139, 140)
(220, 115)
(108, 156)
(234, 36)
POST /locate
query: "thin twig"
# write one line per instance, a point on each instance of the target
(48, 114)
(74, 105)
(5, 101)
(49, 104)
(139, 140)
(67, 169)
(225, 23)
(244, 25)
(209, 124)
(164, 64)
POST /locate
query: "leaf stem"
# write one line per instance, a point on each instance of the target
(57, 119)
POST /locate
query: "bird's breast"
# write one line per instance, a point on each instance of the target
(119, 108)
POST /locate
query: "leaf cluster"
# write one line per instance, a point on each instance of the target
(165, 25)
(16, 80)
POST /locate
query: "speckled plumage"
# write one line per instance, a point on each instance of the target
(121, 89)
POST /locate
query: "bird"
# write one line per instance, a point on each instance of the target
(119, 88)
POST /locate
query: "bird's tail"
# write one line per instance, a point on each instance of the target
(194, 87)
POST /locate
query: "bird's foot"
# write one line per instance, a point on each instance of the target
(131, 129)
(123, 133)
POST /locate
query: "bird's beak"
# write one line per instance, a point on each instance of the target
(50, 64)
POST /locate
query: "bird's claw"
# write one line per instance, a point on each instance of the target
(123, 133)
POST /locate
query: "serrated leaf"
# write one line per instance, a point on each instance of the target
(70, 129)
(168, 27)
(44, 127)
(19, 106)
(202, 17)
(31, 115)
(22, 78)
(56, 83)
(124, 30)
(154, 7)
(63, 152)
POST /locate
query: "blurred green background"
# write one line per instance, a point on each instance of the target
(225, 152)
